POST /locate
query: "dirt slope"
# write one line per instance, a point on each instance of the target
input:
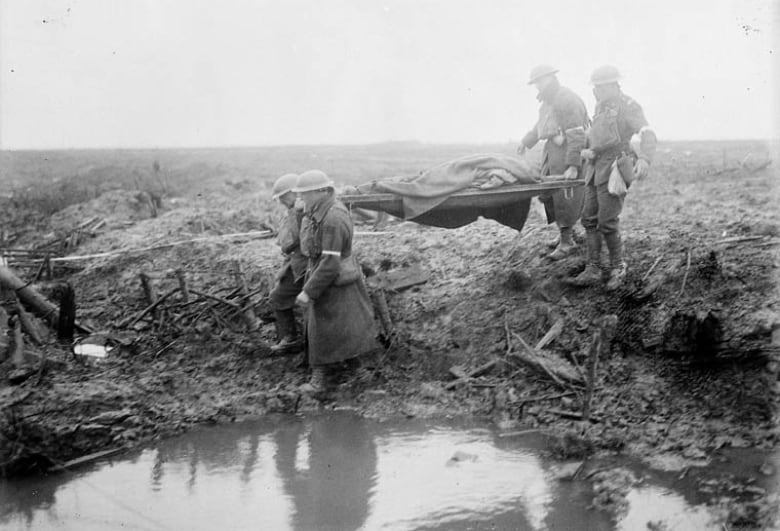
(692, 366)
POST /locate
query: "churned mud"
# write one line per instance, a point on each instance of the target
(689, 367)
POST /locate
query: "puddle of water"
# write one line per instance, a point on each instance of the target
(659, 505)
(337, 472)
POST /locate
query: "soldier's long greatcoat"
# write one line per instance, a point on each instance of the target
(339, 321)
(563, 115)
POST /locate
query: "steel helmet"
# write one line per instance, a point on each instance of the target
(604, 74)
(284, 184)
(540, 71)
(312, 180)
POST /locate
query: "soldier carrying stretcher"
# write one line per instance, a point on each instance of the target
(609, 156)
(561, 124)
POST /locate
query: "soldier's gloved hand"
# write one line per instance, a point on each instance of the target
(587, 154)
(570, 173)
(558, 139)
(302, 299)
(641, 168)
(521, 149)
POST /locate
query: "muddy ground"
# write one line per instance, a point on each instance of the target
(691, 368)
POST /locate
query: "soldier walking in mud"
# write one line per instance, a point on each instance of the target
(616, 120)
(289, 278)
(339, 319)
(561, 124)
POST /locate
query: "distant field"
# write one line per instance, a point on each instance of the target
(71, 176)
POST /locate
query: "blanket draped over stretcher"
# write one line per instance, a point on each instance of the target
(430, 188)
(422, 193)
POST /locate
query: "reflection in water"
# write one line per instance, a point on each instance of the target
(332, 492)
(648, 502)
(418, 490)
(331, 472)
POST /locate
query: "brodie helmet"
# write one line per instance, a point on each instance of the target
(312, 180)
(540, 71)
(604, 74)
(284, 184)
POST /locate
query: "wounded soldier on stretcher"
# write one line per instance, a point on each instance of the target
(481, 171)
(424, 198)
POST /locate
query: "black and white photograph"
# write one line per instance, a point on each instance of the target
(390, 265)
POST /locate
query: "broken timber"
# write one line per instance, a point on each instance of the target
(28, 324)
(3, 334)
(149, 292)
(251, 320)
(86, 459)
(400, 279)
(251, 235)
(66, 322)
(558, 370)
(473, 373)
(551, 335)
(598, 347)
(130, 321)
(34, 300)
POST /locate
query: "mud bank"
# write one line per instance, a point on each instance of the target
(691, 368)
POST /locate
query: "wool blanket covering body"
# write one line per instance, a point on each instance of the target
(422, 193)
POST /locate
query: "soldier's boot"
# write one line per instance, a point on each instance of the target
(318, 382)
(566, 245)
(350, 371)
(591, 275)
(289, 342)
(617, 267)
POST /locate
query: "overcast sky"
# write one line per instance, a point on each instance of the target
(158, 73)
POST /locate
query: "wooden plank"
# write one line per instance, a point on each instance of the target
(262, 234)
(29, 324)
(17, 357)
(551, 335)
(87, 459)
(380, 302)
(28, 295)
(131, 320)
(401, 279)
(464, 377)
(560, 371)
(3, 334)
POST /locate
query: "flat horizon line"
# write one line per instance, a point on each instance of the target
(366, 144)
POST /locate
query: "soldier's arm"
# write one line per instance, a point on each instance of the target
(648, 142)
(531, 138)
(288, 233)
(334, 233)
(291, 246)
(572, 118)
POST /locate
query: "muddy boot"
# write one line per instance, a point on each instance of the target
(592, 273)
(617, 275)
(617, 267)
(288, 345)
(288, 340)
(566, 246)
(348, 372)
(318, 381)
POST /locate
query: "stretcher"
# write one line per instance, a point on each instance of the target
(508, 204)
